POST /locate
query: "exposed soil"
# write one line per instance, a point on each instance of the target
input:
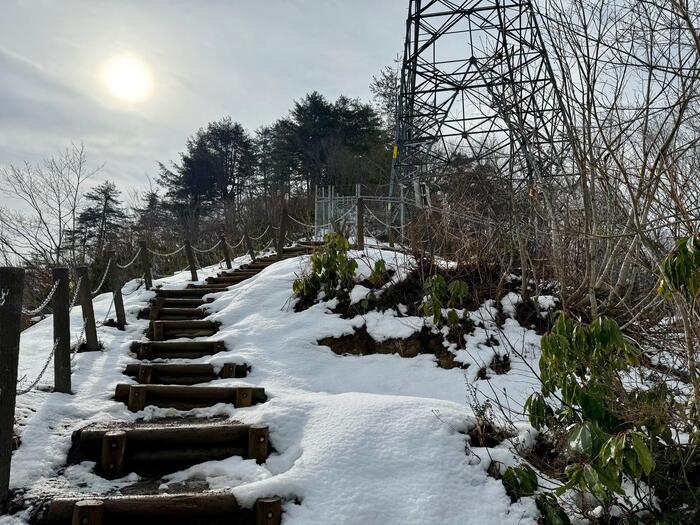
(545, 457)
(423, 342)
(487, 435)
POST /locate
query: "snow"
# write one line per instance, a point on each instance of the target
(357, 439)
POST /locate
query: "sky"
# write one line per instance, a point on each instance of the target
(249, 59)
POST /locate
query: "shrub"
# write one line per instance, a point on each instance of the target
(332, 271)
(609, 434)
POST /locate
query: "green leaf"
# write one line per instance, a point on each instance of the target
(643, 453)
(580, 439)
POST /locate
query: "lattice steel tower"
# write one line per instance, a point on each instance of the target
(477, 85)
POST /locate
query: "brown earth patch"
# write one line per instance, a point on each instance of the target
(423, 342)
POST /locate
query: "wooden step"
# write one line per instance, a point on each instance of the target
(155, 313)
(164, 330)
(186, 397)
(185, 293)
(148, 350)
(226, 280)
(183, 374)
(162, 302)
(155, 449)
(220, 287)
(207, 508)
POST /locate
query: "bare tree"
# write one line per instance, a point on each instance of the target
(48, 196)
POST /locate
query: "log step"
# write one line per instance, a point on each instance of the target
(162, 302)
(220, 286)
(154, 449)
(208, 508)
(164, 330)
(227, 280)
(155, 313)
(176, 349)
(185, 293)
(186, 397)
(185, 374)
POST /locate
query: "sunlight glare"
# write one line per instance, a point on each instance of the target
(128, 78)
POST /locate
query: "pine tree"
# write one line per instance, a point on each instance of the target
(103, 220)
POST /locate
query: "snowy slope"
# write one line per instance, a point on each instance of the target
(372, 439)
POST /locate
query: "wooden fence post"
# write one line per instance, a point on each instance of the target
(11, 289)
(116, 286)
(360, 226)
(227, 252)
(146, 264)
(283, 234)
(249, 245)
(191, 261)
(91, 342)
(61, 331)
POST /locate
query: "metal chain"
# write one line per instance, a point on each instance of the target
(76, 293)
(208, 250)
(167, 254)
(130, 262)
(104, 278)
(43, 305)
(41, 374)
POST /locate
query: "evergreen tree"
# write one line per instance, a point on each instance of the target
(103, 220)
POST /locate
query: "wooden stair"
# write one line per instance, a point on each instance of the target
(208, 508)
(186, 397)
(148, 350)
(185, 374)
(154, 449)
(160, 447)
(164, 330)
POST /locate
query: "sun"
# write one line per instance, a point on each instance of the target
(128, 78)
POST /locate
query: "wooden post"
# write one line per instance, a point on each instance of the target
(137, 397)
(11, 289)
(283, 233)
(91, 342)
(227, 252)
(360, 226)
(268, 511)
(191, 261)
(258, 440)
(249, 245)
(112, 458)
(116, 286)
(146, 264)
(244, 397)
(88, 512)
(61, 331)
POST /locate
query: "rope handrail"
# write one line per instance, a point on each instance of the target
(207, 250)
(310, 226)
(261, 235)
(157, 254)
(102, 281)
(42, 306)
(236, 246)
(138, 252)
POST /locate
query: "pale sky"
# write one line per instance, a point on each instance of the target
(246, 58)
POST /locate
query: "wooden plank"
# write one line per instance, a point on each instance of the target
(268, 511)
(178, 507)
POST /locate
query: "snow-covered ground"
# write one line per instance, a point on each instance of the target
(357, 440)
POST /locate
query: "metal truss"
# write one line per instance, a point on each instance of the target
(477, 87)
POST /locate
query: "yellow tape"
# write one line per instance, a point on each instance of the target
(396, 151)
